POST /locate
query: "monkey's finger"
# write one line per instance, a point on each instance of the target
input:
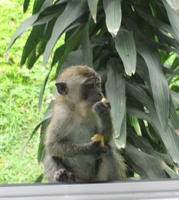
(106, 102)
(96, 143)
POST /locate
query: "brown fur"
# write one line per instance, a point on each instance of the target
(74, 122)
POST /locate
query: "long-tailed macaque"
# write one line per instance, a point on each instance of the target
(78, 115)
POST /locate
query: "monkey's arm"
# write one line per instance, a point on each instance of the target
(103, 111)
(66, 148)
(59, 142)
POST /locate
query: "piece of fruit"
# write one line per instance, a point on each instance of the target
(104, 100)
(98, 137)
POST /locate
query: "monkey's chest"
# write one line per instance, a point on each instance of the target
(83, 130)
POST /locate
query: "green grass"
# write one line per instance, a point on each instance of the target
(19, 93)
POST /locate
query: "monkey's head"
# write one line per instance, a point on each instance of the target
(78, 84)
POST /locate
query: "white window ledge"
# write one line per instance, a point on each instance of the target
(129, 190)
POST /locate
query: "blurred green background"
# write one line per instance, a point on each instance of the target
(19, 94)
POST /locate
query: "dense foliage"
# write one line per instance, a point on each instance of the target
(133, 45)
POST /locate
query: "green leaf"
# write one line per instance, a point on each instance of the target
(26, 24)
(73, 42)
(155, 22)
(169, 171)
(45, 19)
(39, 178)
(73, 58)
(22, 28)
(43, 88)
(31, 136)
(93, 8)
(72, 12)
(31, 43)
(121, 139)
(25, 5)
(113, 14)
(147, 166)
(158, 82)
(86, 47)
(44, 124)
(172, 10)
(173, 44)
(173, 115)
(115, 91)
(145, 145)
(175, 97)
(168, 136)
(125, 46)
(174, 4)
(32, 58)
(37, 5)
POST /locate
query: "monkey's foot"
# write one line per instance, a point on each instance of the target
(63, 175)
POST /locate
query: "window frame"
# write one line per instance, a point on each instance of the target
(133, 190)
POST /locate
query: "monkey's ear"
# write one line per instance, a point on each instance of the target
(62, 88)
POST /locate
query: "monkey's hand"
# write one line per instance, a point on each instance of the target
(93, 148)
(101, 107)
(98, 137)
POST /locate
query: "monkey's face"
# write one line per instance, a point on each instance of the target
(80, 84)
(91, 90)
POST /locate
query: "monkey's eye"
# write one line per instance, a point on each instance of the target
(90, 85)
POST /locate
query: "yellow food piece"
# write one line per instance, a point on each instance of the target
(98, 137)
(104, 100)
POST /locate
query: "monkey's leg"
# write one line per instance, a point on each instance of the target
(112, 167)
(56, 172)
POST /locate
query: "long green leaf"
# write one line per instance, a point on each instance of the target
(158, 82)
(37, 5)
(93, 8)
(113, 14)
(86, 47)
(25, 5)
(168, 136)
(125, 46)
(33, 57)
(174, 4)
(27, 24)
(43, 88)
(155, 22)
(121, 139)
(31, 136)
(72, 43)
(173, 15)
(46, 118)
(145, 145)
(115, 91)
(173, 115)
(44, 124)
(147, 166)
(72, 12)
(22, 28)
(32, 41)
(169, 171)
(39, 178)
(175, 97)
